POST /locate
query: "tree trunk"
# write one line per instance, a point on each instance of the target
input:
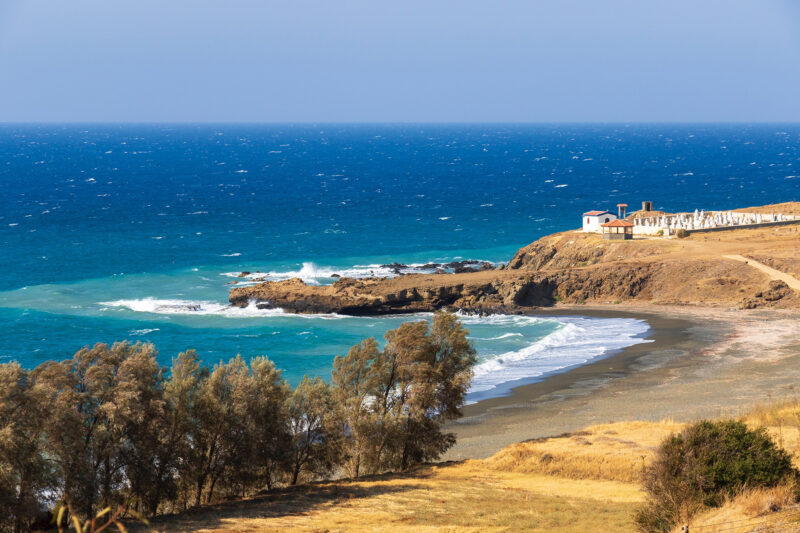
(295, 473)
(211, 488)
(18, 522)
(201, 481)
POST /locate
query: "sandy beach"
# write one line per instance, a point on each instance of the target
(702, 362)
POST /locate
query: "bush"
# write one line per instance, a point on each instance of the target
(703, 465)
(682, 233)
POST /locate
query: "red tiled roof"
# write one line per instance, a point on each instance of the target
(617, 224)
(596, 213)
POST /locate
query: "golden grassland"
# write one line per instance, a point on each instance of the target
(584, 481)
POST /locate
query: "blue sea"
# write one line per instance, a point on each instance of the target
(137, 232)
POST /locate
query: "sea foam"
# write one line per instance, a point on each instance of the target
(577, 341)
(314, 274)
(202, 307)
(191, 307)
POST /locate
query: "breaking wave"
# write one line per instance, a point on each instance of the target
(577, 341)
(313, 274)
(201, 307)
(190, 307)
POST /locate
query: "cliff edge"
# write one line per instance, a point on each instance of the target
(574, 267)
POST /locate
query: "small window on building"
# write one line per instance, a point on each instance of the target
(606, 219)
(587, 220)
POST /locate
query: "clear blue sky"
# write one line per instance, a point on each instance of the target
(399, 61)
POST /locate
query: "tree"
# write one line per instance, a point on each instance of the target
(312, 448)
(353, 391)
(394, 402)
(181, 391)
(426, 375)
(264, 394)
(217, 418)
(23, 467)
(141, 411)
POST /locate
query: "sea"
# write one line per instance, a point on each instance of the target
(137, 232)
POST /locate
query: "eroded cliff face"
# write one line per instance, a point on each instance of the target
(568, 267)
(373, 296)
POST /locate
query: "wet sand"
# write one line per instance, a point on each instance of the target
(702, 362)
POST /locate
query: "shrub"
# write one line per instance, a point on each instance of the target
(682, 233)
(705, 464)
(660, 233)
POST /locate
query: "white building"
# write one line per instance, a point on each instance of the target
(593, 219)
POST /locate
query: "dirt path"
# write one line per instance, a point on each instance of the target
(791, 281)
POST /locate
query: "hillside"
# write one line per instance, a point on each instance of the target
(584, 481)
(716, 269)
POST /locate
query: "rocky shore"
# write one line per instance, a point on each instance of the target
(568, 267)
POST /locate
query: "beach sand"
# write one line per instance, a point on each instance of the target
(702, 362)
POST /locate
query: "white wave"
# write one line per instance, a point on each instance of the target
(577, 341)
(138, 332)
(234, 254)
(190, 307)
(201, 307)
(313, 274)
(499, 337)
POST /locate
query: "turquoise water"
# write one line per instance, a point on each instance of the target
(136, 232)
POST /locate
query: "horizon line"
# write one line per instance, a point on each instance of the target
(389, 123)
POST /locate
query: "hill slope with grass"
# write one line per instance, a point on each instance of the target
(589, 480)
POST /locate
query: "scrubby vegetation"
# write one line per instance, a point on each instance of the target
(111, 428)
(707, 464)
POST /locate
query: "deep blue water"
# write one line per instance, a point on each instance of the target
(133, 231)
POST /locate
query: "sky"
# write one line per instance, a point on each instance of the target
(399, 61)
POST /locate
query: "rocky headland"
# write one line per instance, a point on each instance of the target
(742, 268)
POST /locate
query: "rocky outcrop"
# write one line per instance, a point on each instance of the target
(569, 267)
(370, 296)
(776, 291)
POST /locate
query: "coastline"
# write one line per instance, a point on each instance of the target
(702, 362)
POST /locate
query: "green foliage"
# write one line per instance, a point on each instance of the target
(111, 429)
(703, 465)
(681, 233)
(392, 403)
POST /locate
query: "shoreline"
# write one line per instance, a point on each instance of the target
(702, 362)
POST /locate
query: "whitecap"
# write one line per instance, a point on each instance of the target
(202, 307)
(499, 337)
(313, 274)
(139, 332)
(577, 341)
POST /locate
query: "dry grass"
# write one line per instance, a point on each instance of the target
(588, 484)
(762, 509)
(452, 497)
(609, 451)
(584, 481)
(782, 420)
